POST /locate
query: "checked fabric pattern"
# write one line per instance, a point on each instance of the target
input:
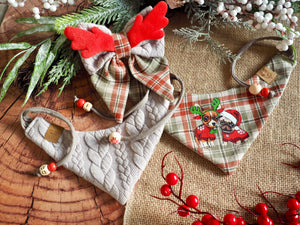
(126, 72)
(247, 112)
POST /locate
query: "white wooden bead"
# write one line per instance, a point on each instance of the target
(255, 88)
(44, 171)
(114, 138)
(87, 106)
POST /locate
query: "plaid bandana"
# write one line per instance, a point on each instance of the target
(113, 72)
(222, 126)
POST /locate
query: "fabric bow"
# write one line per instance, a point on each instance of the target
(116, 61)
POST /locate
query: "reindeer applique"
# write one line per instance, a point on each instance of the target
(205, 133)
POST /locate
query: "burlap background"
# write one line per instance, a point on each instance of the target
(261, 165)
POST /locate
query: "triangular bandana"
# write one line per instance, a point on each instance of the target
(222, 126)
(112, 159)
(113, 167)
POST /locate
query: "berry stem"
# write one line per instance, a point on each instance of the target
(243, 207)
(270, 204)
(291, 165)
(289, 143)
(181, 178)
(163, 164)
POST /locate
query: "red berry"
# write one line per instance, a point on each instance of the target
(52, 167)
(294, 223)
(230, 219)
(264, 220)
(172, 178)
(241, 221)
(165, 190)
(213, 221)
(297, 195)
(192, 201)
(80, 103)
(183, 211)
(292, 204)
(197, 222)
(261, 208)
(205, 219)
(292, 216)
(265, 92)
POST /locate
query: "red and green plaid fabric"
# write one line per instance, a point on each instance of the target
(253, 110)
(115, 81)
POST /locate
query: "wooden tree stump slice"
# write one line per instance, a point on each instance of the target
(62, 197)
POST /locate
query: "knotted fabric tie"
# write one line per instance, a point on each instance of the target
(127, 61)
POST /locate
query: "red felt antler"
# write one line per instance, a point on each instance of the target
(149, 27)
(90, 43)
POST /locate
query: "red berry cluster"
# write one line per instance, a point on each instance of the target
(292, 215)
(188, 207)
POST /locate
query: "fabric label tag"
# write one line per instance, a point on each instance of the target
(53, 133)
(267, 74)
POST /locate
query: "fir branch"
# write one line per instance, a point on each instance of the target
(220, 50)
(222, 23)
(104, 12)
(66, 67)
(95, 14)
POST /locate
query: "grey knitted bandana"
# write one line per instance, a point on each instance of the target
(114, 168)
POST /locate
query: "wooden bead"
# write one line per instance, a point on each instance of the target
(265, 92)
(255, 88)
(87, 106)
(114, 138)
(44, 171)
(80, 103)
(52, 166)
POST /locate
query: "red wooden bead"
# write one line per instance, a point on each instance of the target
(80, 103)
(241, 221)
(292, 204)
(261, 208)
(192, 201)
(264, 220)
(292, 216)
(197, 222)
(172, 178)
(165, 190)
(52, 167)
(265, 92)
(183, 211)
(230, 219)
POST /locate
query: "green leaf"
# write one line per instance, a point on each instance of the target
(11, 46)
(39, 65)
(33, 30)
(9, 62)
(53, 54)
(42, 20)
(13, 73)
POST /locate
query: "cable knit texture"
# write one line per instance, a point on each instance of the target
(113, 168)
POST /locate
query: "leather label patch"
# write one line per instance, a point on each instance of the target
(53, 133)
(267, 74)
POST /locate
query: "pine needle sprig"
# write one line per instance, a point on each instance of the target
(105, 12)
(220, 50)
(206, 17)
(65, 68)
